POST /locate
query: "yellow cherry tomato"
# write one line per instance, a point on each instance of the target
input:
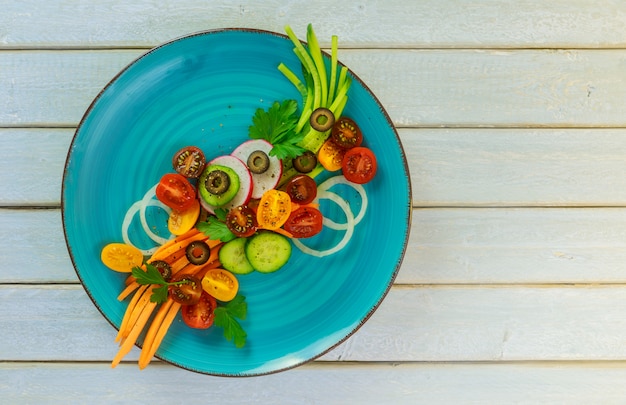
(121, 257)
(331, 155)
(220, 284)
(181, 222)
(274, 209)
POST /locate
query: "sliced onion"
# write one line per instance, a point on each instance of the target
(140, 207)
(323, 188)
(149, 201)
(349, 228)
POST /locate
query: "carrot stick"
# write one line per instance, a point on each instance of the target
(162, 253)
(129, 342)
(160, 334)
(128, 290)
(129, 310)
(179, 238)
(143, 301)
(152, 332)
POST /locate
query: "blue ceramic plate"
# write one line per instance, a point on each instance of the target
(202, 90)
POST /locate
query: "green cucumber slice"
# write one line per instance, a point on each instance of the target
(232, 255)
(268, 251)
(218, 200)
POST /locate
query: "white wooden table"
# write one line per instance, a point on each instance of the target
(513, 117)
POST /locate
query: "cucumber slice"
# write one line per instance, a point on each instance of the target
(268, 251)
(224, 197)
(232, 255)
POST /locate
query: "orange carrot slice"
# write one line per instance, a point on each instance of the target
(160, 334)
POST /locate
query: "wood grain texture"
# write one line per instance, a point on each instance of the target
(487, 167)
(513, 121)
(371, 23)
(419, 88)
(321, 383)
(414, 323)
(446, 246)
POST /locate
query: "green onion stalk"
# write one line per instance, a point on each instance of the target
(319, 88)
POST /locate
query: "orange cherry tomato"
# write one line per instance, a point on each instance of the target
(121, 257)
(180, 222)
(274, 209)
(331, 155)
(220, 284)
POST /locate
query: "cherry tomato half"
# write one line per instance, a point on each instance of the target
(180, 222)
(359, 165)
(187, 291)
(121, 257)
(201, 314)
(241, 221)
(274, 209)
(304, 222)
(346, 133)
(189, 161)
(175, 191)
(301, 188)
(220, 284)
(331, 155)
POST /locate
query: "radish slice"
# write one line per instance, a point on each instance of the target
(268, 179)
(245, 183)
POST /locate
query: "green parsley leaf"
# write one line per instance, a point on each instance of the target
(221, 213)
(277, 126)
(226, 318)
(152, 276)
(216, 229)
(286, 150)
(159, 294)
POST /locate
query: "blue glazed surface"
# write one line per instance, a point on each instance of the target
(203, 90)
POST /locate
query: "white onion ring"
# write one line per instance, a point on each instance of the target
(146, 202)
(326, 185)
(346, 237)
(141, 206)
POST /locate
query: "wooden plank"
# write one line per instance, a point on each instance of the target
(447, 323)
(31, 169)
(430, 23)
(405, 383)
(516, 167)
(446, 246)
(423, 88)
(448, 167)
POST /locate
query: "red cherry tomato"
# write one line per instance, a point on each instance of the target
(201, 314)
(175, 191)
(188, 291)
(301, 188)
(346, 133)
(359, 165)
(304, 222)
(241, 221)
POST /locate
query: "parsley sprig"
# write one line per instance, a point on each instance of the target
(277, 125)
(153, 276)
(215, 227)
(226, 317)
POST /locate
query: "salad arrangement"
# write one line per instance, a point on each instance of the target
(234, 214)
